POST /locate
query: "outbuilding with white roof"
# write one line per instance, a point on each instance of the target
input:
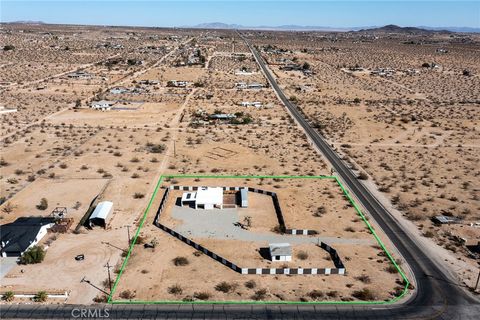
(204, 197)
(100, 214)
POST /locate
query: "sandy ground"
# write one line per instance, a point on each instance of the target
(246, 254)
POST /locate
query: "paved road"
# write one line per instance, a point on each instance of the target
(434, 285)
(436, 295)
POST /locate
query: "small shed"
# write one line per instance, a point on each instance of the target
(100, 214)
(280, 252)
(244, 198)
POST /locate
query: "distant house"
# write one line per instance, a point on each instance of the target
(102, 105)
(80, 75)
(100, 214)
(4, 110)
(280, 252)
(445, 219)
(291, 67)
(178, 84)
(18, 236)
(255, 86)
(222, 116)
(241, 85)
(256, 104)
(204, 197)
(119, 90)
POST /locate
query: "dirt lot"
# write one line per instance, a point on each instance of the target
(412, 134)
(358, 248)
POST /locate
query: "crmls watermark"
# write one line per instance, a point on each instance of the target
(90, 313)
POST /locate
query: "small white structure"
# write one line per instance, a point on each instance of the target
(176, 83)
(241, 85)
(102, 105)
(205, 197)
(244, 198)
(4, 110)
(80, 75)
(280, 251)
(100, 214)
(256, 104)
(118, 90)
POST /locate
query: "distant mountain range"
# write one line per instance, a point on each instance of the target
(388, 28)
(391, 28)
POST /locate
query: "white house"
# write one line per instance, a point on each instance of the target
(100, 214)
(280, 251)
(118, 90)
(204, 197)
(102, 105)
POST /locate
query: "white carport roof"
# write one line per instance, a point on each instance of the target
(102, 210)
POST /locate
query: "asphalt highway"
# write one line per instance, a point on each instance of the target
(436, 295)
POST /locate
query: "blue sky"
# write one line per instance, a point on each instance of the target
(246, 12)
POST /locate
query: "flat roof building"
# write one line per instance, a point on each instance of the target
(204, 197)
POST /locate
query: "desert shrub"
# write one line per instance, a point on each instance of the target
(135, 176)
(127, 294)
(8, 296)
(43, 205)
(332, 294)
(391, 269)
(180, 261)
(362, 176)
(225, 287)
(101, 298)
(364, 278)
(250, 284)
(315, 294)
(134, 160)
(349, 229)
(175, 289)
(201, 295)
(302, 255)
(320, 211)
(63, 166)
(8, 208)
(138, 195)
(428, 234)
(260, 294)
(33, 255)
(3, 162)
(41, 296)
(365, 294)
(278, 229)
(155, 148)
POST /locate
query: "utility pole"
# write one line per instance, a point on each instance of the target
(108, 266)
(128, 233)
(478, 279)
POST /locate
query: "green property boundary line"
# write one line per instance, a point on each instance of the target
(345, 192)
